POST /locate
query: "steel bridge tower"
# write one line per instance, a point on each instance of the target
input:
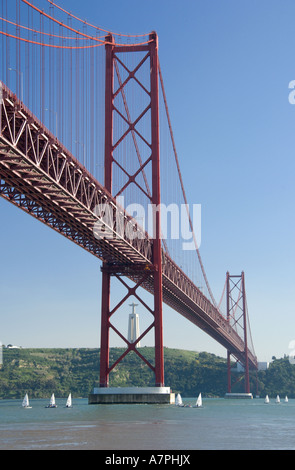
(237, 316)
(137, 272)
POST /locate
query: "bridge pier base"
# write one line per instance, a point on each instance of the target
(129, 395)
(239, 395)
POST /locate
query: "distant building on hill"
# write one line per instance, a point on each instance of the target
(133, 326)
(261, 366)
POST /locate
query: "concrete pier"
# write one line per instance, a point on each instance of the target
(239, 395)
(118, 395)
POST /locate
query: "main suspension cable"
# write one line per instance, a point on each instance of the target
(182, 188)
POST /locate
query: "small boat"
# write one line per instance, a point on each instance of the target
(278, 399)
(52, 402)
(26, 403)
(199, 402)
(178, 401)
(69, 401)
(286, 399)
(266, 400)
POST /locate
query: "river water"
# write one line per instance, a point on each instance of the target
(219, 424)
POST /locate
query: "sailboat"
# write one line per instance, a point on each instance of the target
(69, 401)
(199, 402)
(26, 403)
(278, 399)
(52, 402)
(286, 399)
(178, 401)
(266, 400)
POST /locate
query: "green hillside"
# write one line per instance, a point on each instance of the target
(43, 371)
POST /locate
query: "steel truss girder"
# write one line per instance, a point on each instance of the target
(31, 156)
(39, 175)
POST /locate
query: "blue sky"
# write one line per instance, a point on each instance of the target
(226, 66)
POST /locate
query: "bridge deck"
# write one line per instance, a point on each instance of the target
(43, 178)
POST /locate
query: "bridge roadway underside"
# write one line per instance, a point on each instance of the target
(41, 177)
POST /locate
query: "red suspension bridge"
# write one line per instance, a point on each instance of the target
(81, 110)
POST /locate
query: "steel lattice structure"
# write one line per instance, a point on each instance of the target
(42, 177)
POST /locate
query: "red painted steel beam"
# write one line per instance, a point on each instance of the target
(106, 279)
(156, 200)
(246, 361)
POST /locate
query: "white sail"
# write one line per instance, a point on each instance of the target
(278, 399)
(199, 401)
(52, 402)
(69, 401)
(266, 400)
(178, 400)
(286, 399)
(26, 403)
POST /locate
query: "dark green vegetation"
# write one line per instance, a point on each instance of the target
(41, 372)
